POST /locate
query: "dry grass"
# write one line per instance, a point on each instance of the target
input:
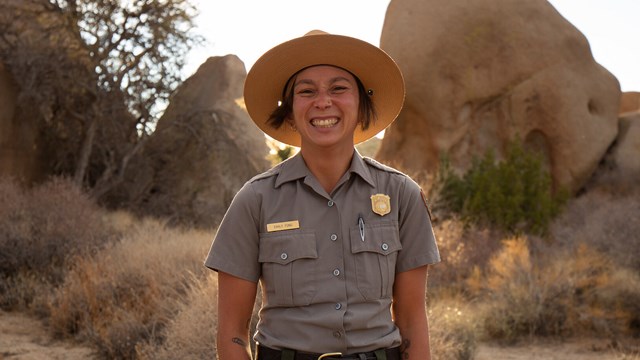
(452, 327)
(608, 222)
(128, 292)
(568, 293)
(191, 333)
(41, 228)
(462, 249)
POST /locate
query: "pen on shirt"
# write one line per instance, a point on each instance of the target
(361, 226)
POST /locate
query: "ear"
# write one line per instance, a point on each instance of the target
(291, 123)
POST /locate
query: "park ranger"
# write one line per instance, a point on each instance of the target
(340, 244)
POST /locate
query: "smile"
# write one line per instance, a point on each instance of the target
(324, 123)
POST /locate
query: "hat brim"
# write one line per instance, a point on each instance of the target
(375, 69)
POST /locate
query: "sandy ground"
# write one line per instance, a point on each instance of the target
(576, 349)
(25, 338)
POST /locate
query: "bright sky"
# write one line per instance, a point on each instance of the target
(248, 28)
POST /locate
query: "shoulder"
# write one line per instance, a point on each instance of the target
(274, 171)
(395, 176)
(382, 167)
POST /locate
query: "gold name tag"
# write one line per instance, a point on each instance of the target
(286, 225)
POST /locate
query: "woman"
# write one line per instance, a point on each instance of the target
(339, 243)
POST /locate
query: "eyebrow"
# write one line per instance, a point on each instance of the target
(333, 80)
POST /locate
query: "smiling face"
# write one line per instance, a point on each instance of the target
(325, 106)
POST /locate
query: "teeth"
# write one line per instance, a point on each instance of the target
(324, 122)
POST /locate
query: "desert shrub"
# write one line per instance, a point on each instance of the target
(191, 333)
(516, 302)
(605, 298)
(126, 293)
(514, 194)
(452, 330)
(26, 292)
(572, 292)
(462, 249)
(604, 221)
(197, 315)
(40, 229)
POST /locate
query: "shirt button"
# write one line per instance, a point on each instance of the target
(338, 306)
(337, 334)
(385, 247)
(336, 272)
(334, 237)
(284, 256)
(330, 203)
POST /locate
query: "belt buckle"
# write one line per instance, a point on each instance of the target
(325, 355)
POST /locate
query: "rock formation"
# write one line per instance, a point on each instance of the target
(204, 148)
(480, 74)
(619, 171)
(629, 102)
(54, 89)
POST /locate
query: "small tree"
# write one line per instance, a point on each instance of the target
(514, 194)
(100, 71)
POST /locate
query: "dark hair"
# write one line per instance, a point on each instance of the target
(366, 107)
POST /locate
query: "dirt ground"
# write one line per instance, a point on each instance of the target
(575, 349)
(25, 338)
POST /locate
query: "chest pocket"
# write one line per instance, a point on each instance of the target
(375, 258)
(288, 261)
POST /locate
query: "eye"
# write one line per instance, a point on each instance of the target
(339, 89)
(305, 92)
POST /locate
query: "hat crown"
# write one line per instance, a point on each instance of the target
(316, 32)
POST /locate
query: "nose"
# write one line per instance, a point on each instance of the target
(323, 100)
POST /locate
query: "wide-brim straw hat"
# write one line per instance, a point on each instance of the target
(379, 74)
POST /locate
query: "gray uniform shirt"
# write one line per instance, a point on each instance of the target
(327, 277)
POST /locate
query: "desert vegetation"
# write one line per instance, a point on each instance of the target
(135, 288)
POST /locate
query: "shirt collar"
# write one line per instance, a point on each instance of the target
(292, 169)
(359, 167)
(295, 168)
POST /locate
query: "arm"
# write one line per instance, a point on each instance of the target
(236, 297)
(410, 314)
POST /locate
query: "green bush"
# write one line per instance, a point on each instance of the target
(514, 194)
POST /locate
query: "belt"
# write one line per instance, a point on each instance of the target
(265, 353)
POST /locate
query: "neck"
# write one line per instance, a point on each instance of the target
(328, 165)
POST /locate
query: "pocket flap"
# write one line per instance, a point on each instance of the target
(382, 238)
(285, 248)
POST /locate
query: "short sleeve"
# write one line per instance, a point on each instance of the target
(416, 232)
(235, 247)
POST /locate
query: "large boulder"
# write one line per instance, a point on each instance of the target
(204, 148)
(629, 102)
(619, 171)
(480, 74)
(38, 52)
(626, 152)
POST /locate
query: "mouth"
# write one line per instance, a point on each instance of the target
(324, 123)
